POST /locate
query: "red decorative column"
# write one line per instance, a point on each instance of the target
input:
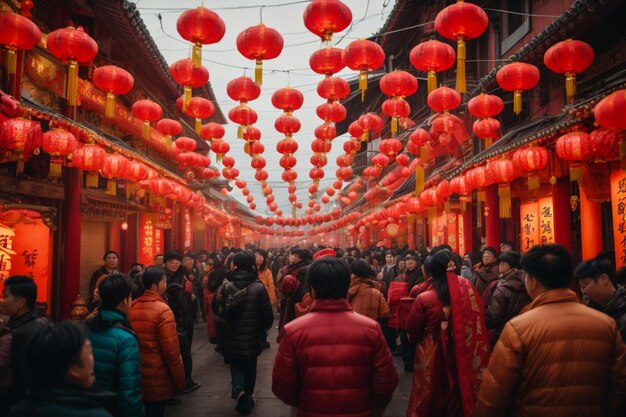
(366, 237)
(71, 247)
(562, 213)
(492, 217)
(590, 226)
(410, 231)
(468, 230)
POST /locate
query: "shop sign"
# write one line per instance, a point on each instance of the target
(618, 204)
(461, 235)
(537, 223)
(453, 232)
(147, 238)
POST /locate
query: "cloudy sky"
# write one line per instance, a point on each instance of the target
(290, 68)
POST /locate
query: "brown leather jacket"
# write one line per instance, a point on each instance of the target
(559, 359)
(507, 301)
(366, 299)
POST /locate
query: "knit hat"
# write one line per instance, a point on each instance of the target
(324, 252)
(512, 258)
(244, 261)
(172, 256)
(362, 269)
(490, 249)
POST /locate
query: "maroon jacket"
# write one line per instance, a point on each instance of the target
(334, 362)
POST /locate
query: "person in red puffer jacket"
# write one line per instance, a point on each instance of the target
(333, 361)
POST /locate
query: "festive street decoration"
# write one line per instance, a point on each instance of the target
(517, 77)
(21, 137)
(59, 143)
(531, 160)
(363, 55)
(89, 158)
(569, 57)
(200, 108)
(260, 43)
(576, 148)
(189, 75)
(432, 57)
(200, 26)
(609, 113)
(325, 17)
(327, 61)
(147, 111)
(18, 34)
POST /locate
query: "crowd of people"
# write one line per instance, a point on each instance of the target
(506, 334)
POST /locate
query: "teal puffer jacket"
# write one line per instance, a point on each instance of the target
(116, 356)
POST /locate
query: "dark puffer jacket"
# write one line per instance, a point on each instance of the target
(243, 334)
(507, 301)
(483, 275)
(64, 401)
(615, 308)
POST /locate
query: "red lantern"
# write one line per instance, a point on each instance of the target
(609, 113)
(355, 130)
(327, 132)
(114, 80)
(21, 137)
(59, 144)
(325, 17)
(371, 123)
(320, 146)
(89, 158)
(575, 147)
(189, 76)
(487, 129)
(220, 148)
(136, 171)
(363, 55)
(380, 160)
(115, 166)
(344, 160)
(325, 199)
(287, 161)
(390, 147)
(169, 128)
(517, 77)
(569, 57)
(503, 172)
(244, 116)
(403, 160)
(432, 57)
(461, 21)
(398, 84)
(211, 131)
(200, 26)
(199, 108)
(327, 61)
(259, 43)
(261, 175)
(257, 162)
(344, 173)
(287, 99)
(485, 105)
(186, 144)
(319, 160)
(287, 125)
(333, 88)
(332, 112)
(531, 160)
(605, 144)
(147, 111)
(395, 108)
(73, 46)
(444, 99)
(289, 175)
(478, 178)
(287, 146)
(230, 173)
(243, 89)
(209, 173)
(316, 174)
(18, 33)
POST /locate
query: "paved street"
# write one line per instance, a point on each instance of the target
(213, 398)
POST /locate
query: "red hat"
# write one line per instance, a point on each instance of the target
(325, 252)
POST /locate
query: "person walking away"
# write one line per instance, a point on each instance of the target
(162, 373)
(596, 278)
(18, 302)
(62, 363)
(487, 270)
(509, 296)
(115, 346)
(243, 305)
(333, 337)
(215, 277)
(560, 358)
(266, 277)
(447, 323)
(110, 259)
(363, 295)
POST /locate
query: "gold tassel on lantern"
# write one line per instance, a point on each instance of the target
(141, 193)
(109, 107)
(198, 125)
(72, 82)
(570, 84)
(504, 192)
(480, 196)
(196, 54)
(240, 132)
(365, 136)
(488, 142)
(432, 214)
(145, 130)
(11, 61)
(424, 154)
(186, 96)
(111, 187)
(432, 81)
(517, 102)
(363, 83)
(56, 169)
(575, 172)
(92, 180)
(463, 202)
(533, 182)
(460, 66)
(168, 142)
(394, 126)
(446, 206)
(130, 190)
(419, 180)
(258, 72)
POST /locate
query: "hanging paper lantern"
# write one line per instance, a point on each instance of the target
(444, 99)
(325, 17)
(147, 111)
(487, 129)
(569, 57)
(115, 167)
(135, 173)
(327, 132)
(605, 143)
(327, 61)
(189, 75)
(287, 125)
(200, 26)
(169, 128)
(21, 137)
(244, 116)
(504, 173)
(219, 147)
(18, 33)
(355, 130)
(211, 131)
(243, 89)
(199, 108)
(432, 57)
(398, 84)
(531, 160)
(287, 99)
(344, 160)
(363, 55)
(485, 105)
(395, 108)
(517, 77)
(390, 147)
(259, 43)
(59, 143)
(230, 173)
(186, 144)
(332, 112)
(460, 187)
(252, 134)
(319, 160)
(209, 173)
(403, 160)
(344, 173)
(316, 174)
(257, 162)
(371, 123)
(75, 47)
(609, 113)
(90, 158)
(287, 145)
(333, 88)
(380, 160)
(287, 161)
(478, 178)
(289, 175)
(460, 22)
(114, 81)
(576, 148)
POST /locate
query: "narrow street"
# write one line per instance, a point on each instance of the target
(213, 398)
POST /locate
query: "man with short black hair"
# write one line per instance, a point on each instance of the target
(333, 337)
(596, 278)
(111, 259)
(115, 346)
(158, 260)
(559, 358)
(61, 359)
(18, 302)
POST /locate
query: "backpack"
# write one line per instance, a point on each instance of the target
(230, 299)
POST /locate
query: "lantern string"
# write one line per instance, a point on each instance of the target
(261, 13)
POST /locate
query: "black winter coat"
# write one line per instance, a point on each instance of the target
(176, 300)
(507, 301)
(616, 308)
(65, 401)
(243, 334)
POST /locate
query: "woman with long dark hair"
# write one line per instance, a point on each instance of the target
(447, 323)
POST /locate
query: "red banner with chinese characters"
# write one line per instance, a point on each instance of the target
(158, 241)
(453, 231)
(529, 217)
(461, 234)
(618, 204)
(187, 231)
(546, 221)
(147, 238)
(25, 250)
